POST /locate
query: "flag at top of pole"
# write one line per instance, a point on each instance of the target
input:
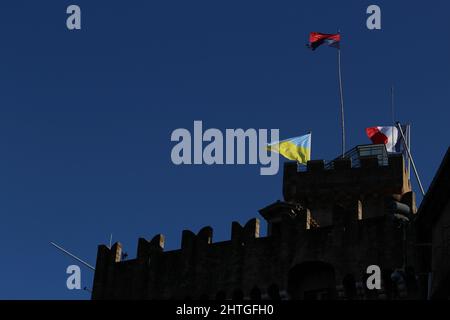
(297, 148)
(316, 39)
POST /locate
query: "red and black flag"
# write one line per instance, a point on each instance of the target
(316, 39)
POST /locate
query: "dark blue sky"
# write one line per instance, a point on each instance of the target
(86, 116)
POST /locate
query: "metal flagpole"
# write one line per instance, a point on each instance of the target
(298, 163)
(310, 142)
(392, 112)
(72, 255)
(341, 98)
(410, 157)
(392, 105)
(408, 132)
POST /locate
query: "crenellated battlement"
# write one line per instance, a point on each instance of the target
(341, 177)
(333, 212)
(190, 240)
(201, 266)
(289, 219)
(363, 175)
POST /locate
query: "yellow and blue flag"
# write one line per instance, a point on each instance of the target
(297, 148)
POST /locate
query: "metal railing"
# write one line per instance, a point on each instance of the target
(355, 155)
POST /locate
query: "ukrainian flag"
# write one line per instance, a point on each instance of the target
(298, 148)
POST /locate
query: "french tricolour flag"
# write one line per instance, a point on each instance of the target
(388, 136)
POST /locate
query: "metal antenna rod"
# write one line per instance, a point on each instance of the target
(392, 111)
(110, 241)
(392, 105)
(72, 255)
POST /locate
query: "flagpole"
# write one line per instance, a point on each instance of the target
(298, 163)
(408, 128)
(392, 111)
(341, 98)
(310, 141)
(410, 157)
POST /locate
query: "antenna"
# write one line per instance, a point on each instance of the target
(392, 112)
(110, 241)
(392, 104)
(72, 255)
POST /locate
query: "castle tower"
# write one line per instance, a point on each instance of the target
(366, 177)
(336, 219)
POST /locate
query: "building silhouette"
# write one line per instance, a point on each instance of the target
(336, 219)
(433, 233)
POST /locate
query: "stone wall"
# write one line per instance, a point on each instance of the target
(331, 225)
